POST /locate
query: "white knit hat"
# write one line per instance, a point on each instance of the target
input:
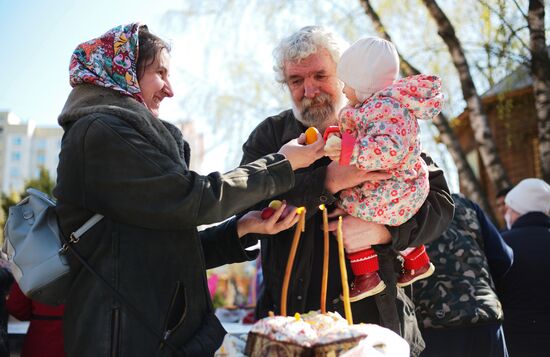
(369, 65)
(529, 195)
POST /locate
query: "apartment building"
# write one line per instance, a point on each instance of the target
(24, 148)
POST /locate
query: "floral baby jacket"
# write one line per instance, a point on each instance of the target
(382, 134)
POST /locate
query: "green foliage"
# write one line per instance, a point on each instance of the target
(43, 183)
(218, 300)
(6, 201)
(514, 127)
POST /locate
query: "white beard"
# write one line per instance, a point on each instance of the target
(319, 118)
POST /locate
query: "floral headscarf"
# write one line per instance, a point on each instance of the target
(109, 61)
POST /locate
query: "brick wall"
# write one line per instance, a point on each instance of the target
(514, 129)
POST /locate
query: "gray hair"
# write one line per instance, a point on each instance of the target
(303, 43)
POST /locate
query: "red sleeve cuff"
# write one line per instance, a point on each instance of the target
(348, 143)
(332, 129)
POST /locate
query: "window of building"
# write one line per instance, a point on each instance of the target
(40, 143)
(41, 158)
(16, 156)
(17, 140)
(15, 172)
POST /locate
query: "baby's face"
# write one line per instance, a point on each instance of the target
(350, 94)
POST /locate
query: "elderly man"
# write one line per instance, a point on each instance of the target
(306, 63)
(525, 294)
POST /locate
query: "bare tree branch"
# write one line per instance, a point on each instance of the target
(540, 69)
(520, 10)
(478, 118)
(447, 134)
(505, 22)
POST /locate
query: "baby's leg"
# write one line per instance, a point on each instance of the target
(366, 281)
(363, 262)
(407, 251)
(416, 266)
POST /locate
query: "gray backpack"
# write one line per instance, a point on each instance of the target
(36, 250)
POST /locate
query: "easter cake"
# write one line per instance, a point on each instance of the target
(311, 334)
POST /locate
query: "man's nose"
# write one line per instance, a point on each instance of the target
(311, 89)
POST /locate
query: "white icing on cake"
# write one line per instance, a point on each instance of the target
(309, 329)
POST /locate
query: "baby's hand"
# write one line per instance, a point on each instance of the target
(333, 147)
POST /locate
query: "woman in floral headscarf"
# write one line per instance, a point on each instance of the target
(120, 160)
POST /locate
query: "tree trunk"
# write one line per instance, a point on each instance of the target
(478, 118)
(540, 70)
(465, 173)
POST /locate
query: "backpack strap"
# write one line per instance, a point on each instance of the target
(69, 245)
(133, 311)
(75, 236)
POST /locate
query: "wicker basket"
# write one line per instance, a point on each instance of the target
(258, 345)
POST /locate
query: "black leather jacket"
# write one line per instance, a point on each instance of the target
(118, 160)
(392, 308)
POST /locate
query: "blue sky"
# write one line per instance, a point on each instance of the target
(37, 38)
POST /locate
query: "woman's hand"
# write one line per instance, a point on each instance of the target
(301, 155)
(252, 222)
(358, 234)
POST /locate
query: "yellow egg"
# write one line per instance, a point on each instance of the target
(275, 204)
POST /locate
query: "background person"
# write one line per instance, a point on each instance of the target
(6, 279)
(44, 337)
(524, 295)
(457, 308)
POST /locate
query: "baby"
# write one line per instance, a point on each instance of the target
(378, 130)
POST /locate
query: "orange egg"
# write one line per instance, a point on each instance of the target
(311, 135)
